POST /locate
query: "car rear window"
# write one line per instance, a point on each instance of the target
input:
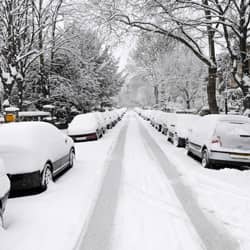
(234, 134)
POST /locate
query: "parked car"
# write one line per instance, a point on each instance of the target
(165, 123)
(109, 120)
(85, 127)
(114, 117)
(4, 190)
(179, 125)
(33, 116)
(34, 153)
(156, 120)
(161, 121)
(101, 121)
(220, 140)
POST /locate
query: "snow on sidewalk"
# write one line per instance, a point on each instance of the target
(54, 219)
(223, 194)
(149, 216)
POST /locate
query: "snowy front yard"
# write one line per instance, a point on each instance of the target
(54, 219)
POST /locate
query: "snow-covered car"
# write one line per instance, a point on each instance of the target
(160, 120)
(147, 114)
(121, 112)
(114, 117)
(101, 121)
(155, 119)
(179, 125)
(4, 190)
(165, 123)
(85, 127)
(34, 153)
(220, 140)
(108, 118)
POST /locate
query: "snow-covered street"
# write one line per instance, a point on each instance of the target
(124, 125)
(133, 190)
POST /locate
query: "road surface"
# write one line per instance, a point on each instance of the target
(144, 202)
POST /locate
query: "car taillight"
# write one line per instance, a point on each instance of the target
(216, 140)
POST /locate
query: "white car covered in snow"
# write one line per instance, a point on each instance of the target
(85, 127)
(34, 153)
(179, 126)
(4, 189)
(101, 120)
(221, 140)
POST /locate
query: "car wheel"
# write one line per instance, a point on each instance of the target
(47, 176)
(168, 137)
(189, 153)
(1, 219)
(159, 129)
(97, 135)
(101, 133)
(176, 140)
(205, 162)
(71, 158)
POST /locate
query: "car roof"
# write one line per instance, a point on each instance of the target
(224, 117)
(26, 134)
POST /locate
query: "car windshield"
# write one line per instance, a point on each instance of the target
(234, 134)
(84, 118)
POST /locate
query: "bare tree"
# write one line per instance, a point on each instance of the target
(17, 35)
(175, 19)
(234, 17)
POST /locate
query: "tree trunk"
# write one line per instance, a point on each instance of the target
(156, 94)
(43, 74)
(212, 69)
(20, 87)
(211, 90)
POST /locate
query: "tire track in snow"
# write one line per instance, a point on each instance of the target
(214, 237)
(98, 234)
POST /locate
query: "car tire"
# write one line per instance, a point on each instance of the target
(72, 158)
(1, 220)
(176, 141)
(189, 152)
(168, 137)
(47, 176)
(205, 161)
(159, 128)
